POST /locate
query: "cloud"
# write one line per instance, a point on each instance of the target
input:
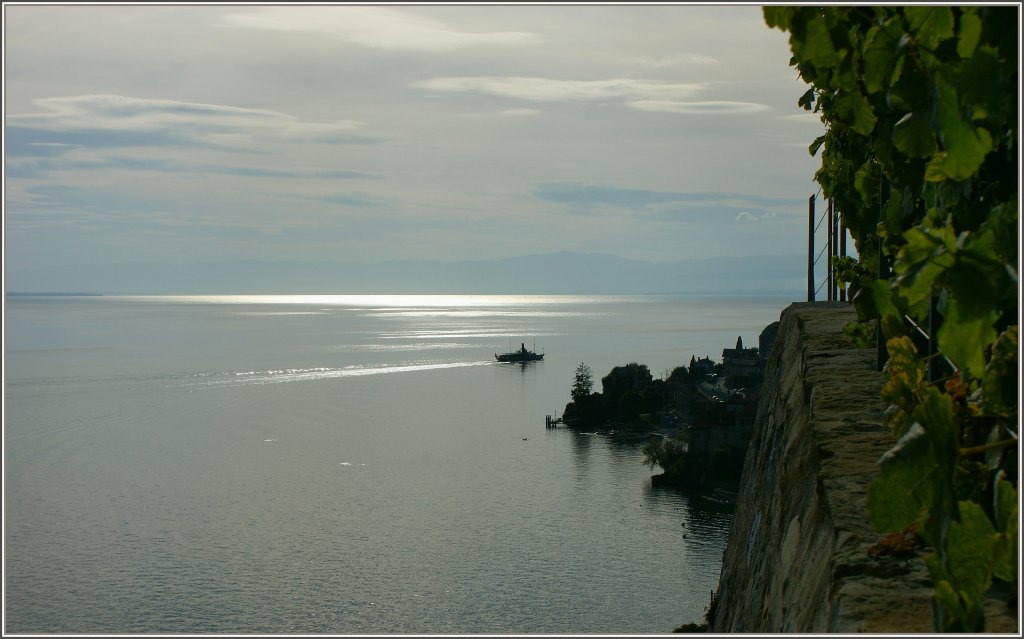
(116, 120)
(36, 167)
(589, 195)
(505, 113)
(803, 117)
(750, 218)
(519, 113)
(683, 59)
(119, 113)
(358, 200)
(82, 133)
(374, 27)
(551, 90)
(720, 107)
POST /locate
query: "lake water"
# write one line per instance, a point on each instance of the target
(345, 464)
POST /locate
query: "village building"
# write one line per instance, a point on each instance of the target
(701, 367)
(720, 424)
(741, 362)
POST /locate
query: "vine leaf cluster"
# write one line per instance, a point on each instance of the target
(920, 156)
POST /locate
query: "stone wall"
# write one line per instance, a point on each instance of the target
(796, 560)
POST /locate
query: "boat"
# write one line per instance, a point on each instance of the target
(522, 355)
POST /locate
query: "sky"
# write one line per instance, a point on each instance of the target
(196, 133)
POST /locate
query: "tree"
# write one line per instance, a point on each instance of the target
(631, 404)
(682, 467)
(585, 406)
(621, 380)
(582, 384)
(656, 395)
(669, 453)
(679, 375)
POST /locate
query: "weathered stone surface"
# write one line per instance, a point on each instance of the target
(797, 560)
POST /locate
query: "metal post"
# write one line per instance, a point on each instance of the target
(810, 249)
(882, 356)
(842, 253)
(834, 230)
(828, 252)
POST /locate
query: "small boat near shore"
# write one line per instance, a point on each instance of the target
(521, 355)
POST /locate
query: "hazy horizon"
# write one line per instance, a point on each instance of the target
(399, 132)
(555, 273)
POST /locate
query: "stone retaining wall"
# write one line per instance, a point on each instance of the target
(796, 560)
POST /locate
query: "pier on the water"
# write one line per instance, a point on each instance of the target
(550, 422)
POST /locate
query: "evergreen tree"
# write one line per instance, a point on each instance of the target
(582, 384)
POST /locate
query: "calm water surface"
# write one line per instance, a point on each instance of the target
(345, 464)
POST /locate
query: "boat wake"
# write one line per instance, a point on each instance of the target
(245, 378)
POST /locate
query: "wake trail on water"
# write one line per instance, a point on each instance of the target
(244, 378)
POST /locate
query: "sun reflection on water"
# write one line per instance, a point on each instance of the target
(388, 302)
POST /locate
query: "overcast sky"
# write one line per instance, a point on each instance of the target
(208, 133)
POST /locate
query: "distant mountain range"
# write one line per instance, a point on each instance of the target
(552, 273)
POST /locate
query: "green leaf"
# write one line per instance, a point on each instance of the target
(930, 25)
(965, 145)
(1004, 554)
(881, 294)
(975, 278)
(807, 100)
(999, 385)
(949, 608)
(965, 334)
(935, 413)
(925, 257)
(818, 141)
(878, 59)
(952, 613)
(963, 573)
(913, 135)
(910, 89)
(866, 182)
(1001, 226)
(896, 210)
(970, 33)
(969, 545)
(1005, 502)
(880, 55)
(1004, 559)
(935, 172)
(853, 108)
(897, 71)
(905, 485)
(817, 46)
(778, 17)
(980, 82)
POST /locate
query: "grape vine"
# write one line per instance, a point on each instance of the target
(920, 155)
